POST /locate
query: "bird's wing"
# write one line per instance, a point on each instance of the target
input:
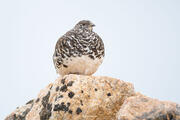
(99, 46)
(64, 48)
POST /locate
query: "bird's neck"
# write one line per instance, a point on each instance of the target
(82, 30)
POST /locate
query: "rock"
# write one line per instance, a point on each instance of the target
(140, 107)
(77, 97)
(21, 112)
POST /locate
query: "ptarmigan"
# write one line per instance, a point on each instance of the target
(79, 51)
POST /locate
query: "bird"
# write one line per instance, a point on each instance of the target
(79, 51)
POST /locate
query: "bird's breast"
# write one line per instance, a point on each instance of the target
(80, 65)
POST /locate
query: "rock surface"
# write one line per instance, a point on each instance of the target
(21, 112)
(78, 97)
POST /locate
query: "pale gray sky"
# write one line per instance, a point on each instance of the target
(142, 41)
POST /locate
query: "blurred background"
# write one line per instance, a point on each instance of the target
(142, 41)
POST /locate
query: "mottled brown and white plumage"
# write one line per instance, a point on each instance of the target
(79, 51)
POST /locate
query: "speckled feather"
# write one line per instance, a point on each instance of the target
(77, 43)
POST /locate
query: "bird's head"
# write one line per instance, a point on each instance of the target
(85, 25)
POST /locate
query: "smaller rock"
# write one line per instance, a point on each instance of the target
(140, 107)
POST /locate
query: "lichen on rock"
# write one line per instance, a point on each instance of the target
(21, 112)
